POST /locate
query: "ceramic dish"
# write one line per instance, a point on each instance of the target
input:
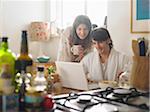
(43, 59)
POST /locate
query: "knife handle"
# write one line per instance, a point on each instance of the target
(142, 48)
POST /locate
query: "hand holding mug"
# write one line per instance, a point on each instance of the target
(77, 49)
(124, 79)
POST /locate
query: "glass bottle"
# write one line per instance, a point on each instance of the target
(7, 57)
(24, 57)
(40, 82)
(24, 61)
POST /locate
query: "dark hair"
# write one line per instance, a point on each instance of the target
(94, 26)
(81, 19)
(101, 34)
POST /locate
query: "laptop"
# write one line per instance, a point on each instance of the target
(72, 76)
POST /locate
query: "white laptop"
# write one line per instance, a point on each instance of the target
(72, 76)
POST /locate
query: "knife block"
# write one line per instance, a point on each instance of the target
(140, 73)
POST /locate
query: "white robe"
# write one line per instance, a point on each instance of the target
(116, 63)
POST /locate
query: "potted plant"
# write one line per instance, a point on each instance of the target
(51, 69)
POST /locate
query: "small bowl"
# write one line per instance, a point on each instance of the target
(43, 59)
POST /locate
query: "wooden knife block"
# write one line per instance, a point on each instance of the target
(140, 73)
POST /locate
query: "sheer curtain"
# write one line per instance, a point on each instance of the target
(63, 12)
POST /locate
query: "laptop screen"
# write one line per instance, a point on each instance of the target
(72, 75)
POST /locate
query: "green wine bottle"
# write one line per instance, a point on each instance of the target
(6, 56)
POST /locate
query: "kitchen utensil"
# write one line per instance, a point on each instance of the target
(142, 48)
(135, 47)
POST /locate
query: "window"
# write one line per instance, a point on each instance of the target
(63, 12)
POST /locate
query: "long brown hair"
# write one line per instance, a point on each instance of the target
(81, 19)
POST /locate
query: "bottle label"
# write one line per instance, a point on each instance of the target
(9, 62)
(24, 65)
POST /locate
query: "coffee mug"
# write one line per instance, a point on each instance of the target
(75, 49)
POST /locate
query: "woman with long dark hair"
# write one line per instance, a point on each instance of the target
(75, 39)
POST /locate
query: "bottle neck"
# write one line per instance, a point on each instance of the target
(24, 44)
(4, 46)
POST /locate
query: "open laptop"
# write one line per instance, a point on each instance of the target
(72, 75)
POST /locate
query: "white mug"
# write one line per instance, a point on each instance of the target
(75, 49)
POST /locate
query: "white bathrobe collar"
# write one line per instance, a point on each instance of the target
(111, 66)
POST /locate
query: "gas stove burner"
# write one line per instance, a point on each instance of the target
(112, 96)
(102, 108)
(72, 95)
(109, 89)
(85, 98)
(122, 92)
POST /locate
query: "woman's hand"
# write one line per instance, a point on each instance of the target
(123, 78)
(81, 52)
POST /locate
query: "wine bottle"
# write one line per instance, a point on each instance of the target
(24, 58)
(7, 57)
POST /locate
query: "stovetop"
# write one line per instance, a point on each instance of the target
(104, 100)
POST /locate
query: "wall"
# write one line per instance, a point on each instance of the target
(119, 25)
(1, 17)
(16, 15)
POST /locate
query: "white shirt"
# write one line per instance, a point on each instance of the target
(97, 71)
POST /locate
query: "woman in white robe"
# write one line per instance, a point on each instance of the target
(105, 63)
